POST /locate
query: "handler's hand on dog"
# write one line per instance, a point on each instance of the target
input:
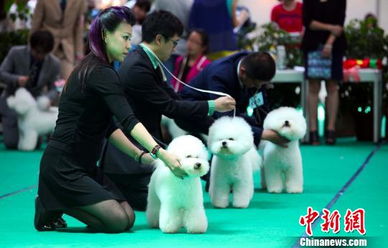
(225, 104)
(172, 163)
(275, 138)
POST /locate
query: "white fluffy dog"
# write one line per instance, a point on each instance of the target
(32, 121)
(283, 166)
(173, 202)
(234, 161)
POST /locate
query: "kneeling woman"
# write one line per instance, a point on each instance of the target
(69, 180)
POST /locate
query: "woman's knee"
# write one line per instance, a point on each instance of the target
(118, 222)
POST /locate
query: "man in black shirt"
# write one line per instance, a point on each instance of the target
(151, 97)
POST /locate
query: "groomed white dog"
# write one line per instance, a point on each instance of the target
(283, 166)
(234, 161)
(173, 202)
(35, 117)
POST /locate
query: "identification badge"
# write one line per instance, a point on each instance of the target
(256, 100)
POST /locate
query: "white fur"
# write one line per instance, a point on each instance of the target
(173, 129)
(283, 166)
(32, 121)
(173, 202)
(235, 158)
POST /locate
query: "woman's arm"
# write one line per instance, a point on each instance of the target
(334, 29)
(119, 140)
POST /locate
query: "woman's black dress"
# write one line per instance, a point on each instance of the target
(69, 175)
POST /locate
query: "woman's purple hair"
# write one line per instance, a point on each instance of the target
(107, 20)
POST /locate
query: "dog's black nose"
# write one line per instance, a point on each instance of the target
(197, 165)
(287, 123)
(224, 143)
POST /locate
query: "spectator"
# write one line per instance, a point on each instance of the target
(140, 10)
(187, 67)
(217, 18)
(65, 20)
(32, 67)
(323, 43)
(288, 16)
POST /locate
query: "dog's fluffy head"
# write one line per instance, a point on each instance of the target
(22, 102)
(287, 121)
(230, 137)
(192, 155)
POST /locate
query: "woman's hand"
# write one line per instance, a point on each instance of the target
(336, 30)
(327, 50)
(225, 104)
(172, 163)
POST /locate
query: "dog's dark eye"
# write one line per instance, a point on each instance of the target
(188, 156)
(231, 139)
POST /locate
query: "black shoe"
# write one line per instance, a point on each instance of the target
(314, 138)
(330, 137)
(47, 220)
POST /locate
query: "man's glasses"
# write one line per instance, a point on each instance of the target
(174, 42)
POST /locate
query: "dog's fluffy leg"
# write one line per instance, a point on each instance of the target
(195, 220)
(243, 192)
(170, 218)
(294, 179)
(27, 140)
(153, 207)
(219, 195)
(273, 179)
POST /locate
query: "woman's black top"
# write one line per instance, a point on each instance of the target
(326, 11)
(86, 109)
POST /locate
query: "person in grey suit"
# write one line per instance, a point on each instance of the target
(30, 66)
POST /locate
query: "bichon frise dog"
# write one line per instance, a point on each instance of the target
(283, 166)
(173, 202)
(35, 117)
(234, 161)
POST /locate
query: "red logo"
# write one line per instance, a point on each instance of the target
(308, 219)
(353, 220)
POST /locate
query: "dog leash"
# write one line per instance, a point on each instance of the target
(191, 87)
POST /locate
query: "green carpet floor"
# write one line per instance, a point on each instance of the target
(272, 220)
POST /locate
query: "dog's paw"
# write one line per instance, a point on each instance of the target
(274, 190)
(197, 228)
(169, 229)
(294, 190)
(194, 231)
(220, 205)
(240, 205)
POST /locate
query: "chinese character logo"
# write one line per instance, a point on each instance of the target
(308, 219)
(355, 221)
(330, 221)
